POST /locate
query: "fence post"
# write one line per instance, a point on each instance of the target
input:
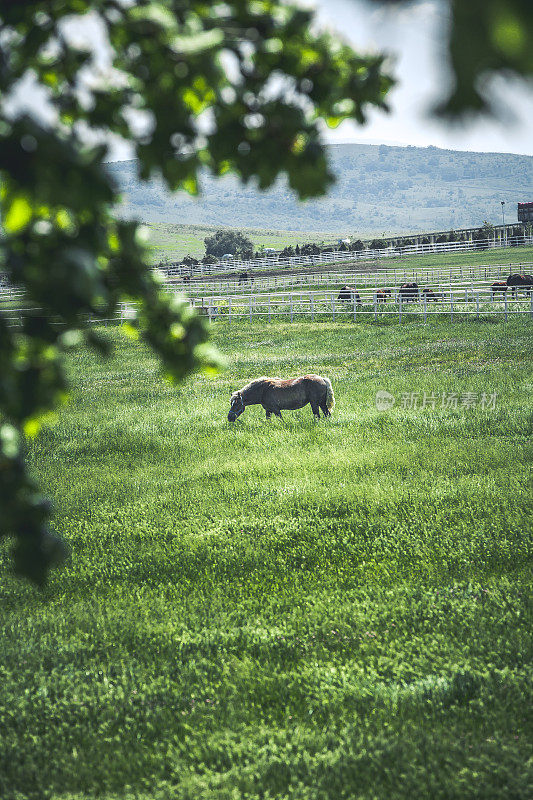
(375, 306)
(505, 303)
(251, 306)
(291, 307)
(531, 306)
(354, 301)
(229, 309)
(333, 306)
(477, 305)
(400, 317)
(312, 307)
(269, 310)
(425, 308)
(451, 306)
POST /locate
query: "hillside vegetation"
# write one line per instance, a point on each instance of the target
(379, 190)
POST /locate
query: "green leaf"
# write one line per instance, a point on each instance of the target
(9, 441)
(190, 184)
(156, 13)
(197, 43)
(17, 215)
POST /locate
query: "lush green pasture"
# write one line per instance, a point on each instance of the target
(174, 241)
(519, 257)
(284, 609)
(500, 255)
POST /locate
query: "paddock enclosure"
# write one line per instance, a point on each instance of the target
(460, 290)
(334, 256)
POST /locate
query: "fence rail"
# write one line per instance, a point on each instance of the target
(432, 276)
(321, 305)
(464, 295)
(428, 275)
(336, 256)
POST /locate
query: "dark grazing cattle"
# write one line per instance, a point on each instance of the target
(498, 286)
(408, 292)
(429, 294)
(517, 282)
(349, 295)
(382, 294)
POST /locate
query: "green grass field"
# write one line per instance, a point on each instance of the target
(172, 242)
(519, 257)
(500, 255)
(285, 609)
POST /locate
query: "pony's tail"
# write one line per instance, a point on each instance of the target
(330, 399)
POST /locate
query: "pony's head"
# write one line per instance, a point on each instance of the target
(236, 407)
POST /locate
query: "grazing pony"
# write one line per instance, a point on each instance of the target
(276, 394)
(429, 294)
(498, 286)
(517, 282)
(244, 277)
(382, 294)
(349, 295)
(408, 292)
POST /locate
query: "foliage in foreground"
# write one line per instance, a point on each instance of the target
(484, 40)
(283, 610)
(61, 244)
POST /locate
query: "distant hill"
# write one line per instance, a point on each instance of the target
(379, 190)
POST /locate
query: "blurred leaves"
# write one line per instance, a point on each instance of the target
(486, 37)
(232, 87)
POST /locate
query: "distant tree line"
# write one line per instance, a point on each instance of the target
(228, 242)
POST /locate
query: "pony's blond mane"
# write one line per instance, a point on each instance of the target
(254, 383)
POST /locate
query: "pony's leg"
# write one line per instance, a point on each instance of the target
(268, 412)
(325, 409)
(316, 410)
(278, 413)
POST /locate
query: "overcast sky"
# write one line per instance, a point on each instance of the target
(415, 37)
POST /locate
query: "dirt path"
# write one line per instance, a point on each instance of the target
(366, 266)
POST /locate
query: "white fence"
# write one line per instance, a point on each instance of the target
(428, 275)
(335, 256)
(455, 292)
(323, 305)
